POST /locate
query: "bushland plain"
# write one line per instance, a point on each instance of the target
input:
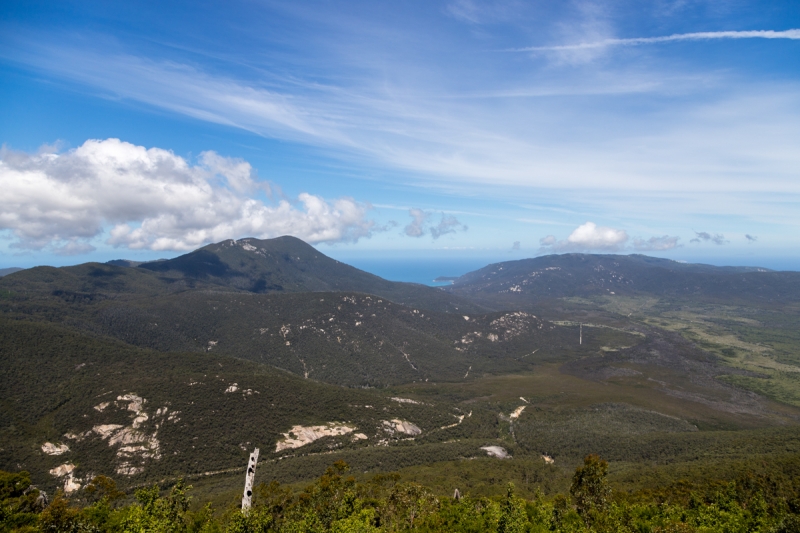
(177, 369)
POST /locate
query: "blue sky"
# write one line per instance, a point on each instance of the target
(439, 131)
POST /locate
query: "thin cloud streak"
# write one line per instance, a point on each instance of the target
(793, 34)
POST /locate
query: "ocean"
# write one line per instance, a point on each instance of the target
(418, 270)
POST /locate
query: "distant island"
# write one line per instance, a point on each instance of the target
(442, 279)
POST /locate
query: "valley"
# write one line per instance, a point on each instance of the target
(178, 369)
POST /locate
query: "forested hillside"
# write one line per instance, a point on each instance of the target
(178, 369)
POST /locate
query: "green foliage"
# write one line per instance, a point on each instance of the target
(513, 518)
(19, 501)
(168, 514)
(407, 505)
(337, 503)
(62, 517)
(589, 487)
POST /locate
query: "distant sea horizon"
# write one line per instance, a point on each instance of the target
(422, 268)
(425, 270)
(418, 270)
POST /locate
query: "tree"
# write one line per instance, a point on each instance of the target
(408, 503)
(513, 518)
(589, 488)
(156, 514)
(61, 517)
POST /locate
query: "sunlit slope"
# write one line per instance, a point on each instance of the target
(275, 266)
(747, 318)
(525, 282)
(349, 338)
(352, 339)
(138, 414)
(287, 264)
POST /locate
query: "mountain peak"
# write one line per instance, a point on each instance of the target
(288, 264)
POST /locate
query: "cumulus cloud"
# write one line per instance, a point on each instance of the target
(703, 236)
(587, 237)
(74, 247)
(419, 224)
(448, 224)
(655, 244)
(750, 238)
(416, 227)
(154, 199)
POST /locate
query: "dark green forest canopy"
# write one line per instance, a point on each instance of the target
(178, 369)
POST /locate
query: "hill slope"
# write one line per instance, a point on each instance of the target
(287, 264)
(108, 408)
(513, 284)
(7, 271)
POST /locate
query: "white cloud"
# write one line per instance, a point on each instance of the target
(793, 34)
(480, 12)
(419, 224)
(655, 244)
(415, 228)
(154, 199)
(704, 236)
(587, 237)
(590, 237)
(724, 136)
(74, 247)
(448, 224)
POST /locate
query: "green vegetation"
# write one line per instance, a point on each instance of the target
(761, 499)
(176, 370)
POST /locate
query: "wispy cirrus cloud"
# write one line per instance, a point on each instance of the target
(452, 140)
(445, 112)
(793, 34)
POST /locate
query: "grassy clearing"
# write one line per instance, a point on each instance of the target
(549, 389)
(764, 341)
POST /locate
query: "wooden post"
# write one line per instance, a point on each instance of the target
(249, 477)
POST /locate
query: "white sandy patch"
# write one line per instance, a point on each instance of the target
(518, 411)
(301, 435)
(405, 400)
(54, 449)
(496, 451)
(106, 430)
(401, 426)
(62, 470)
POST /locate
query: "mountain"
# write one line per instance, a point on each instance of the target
(524, 283)
(180, 367)
(345, 338)
(351, 339)
(7, 271)
(282, 303)
(101, 406)
(289, 265)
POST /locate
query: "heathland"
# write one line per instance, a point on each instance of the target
(684, 378)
